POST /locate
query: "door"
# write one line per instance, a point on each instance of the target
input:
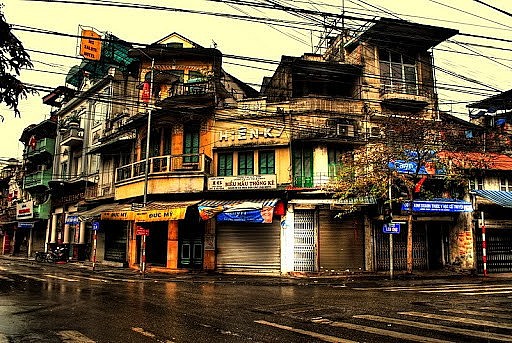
(191, 238)
(304, 248)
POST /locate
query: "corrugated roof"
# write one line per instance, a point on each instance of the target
(477, 160)
(213, 203)
(501, 198)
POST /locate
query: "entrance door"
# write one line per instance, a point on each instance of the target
(190, 232)
(156, 244)
(304, 248)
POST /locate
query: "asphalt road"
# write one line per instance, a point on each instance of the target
(47, 303)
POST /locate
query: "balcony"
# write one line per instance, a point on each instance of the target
(37, 179)
(100, 191)
(406, 96)
(43, 211)
(197, 95)
(44, 147)
(167, 174)
(72, 137)
(316, 180)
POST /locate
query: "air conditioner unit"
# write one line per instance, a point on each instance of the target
(345, 130)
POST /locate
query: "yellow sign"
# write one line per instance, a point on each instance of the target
(118, 215)
(90, 45)
(161, 215)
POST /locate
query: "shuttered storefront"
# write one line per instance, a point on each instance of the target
(243, 246)
(419, 248)
(499, 250)
(116, 235)
(304, 236)
(341, 242)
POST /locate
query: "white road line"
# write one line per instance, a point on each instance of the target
(487, 292)
(3, 338)
(90, 278)
(462, 289)
(71, 336)
(415, 288)
(382, 332)
(60, 278)
(144, 332)
(480, 313)
(5, 278)
(33, 277)
(325, 338)
(493, 308)
(442, 328)
(464, 320)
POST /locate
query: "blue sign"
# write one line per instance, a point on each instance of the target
(391, 228)
(72, 219)
(95, 226)
(26, 225)
(438, 206)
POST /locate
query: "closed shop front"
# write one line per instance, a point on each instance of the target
(341, 242)
(248, 246)
(499, 250)
(116, 235)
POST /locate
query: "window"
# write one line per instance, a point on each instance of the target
(191, 143)
(476, 183)
(246, 163)
(267, 162)
(397, 72)
(64, 170)
(302, 158)
(225, 164)
(335, 161)
(505, 184)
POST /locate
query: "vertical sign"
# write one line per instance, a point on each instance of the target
(90, 45)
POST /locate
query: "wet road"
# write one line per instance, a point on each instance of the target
(44, 303)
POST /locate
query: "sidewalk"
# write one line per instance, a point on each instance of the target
(264, 279)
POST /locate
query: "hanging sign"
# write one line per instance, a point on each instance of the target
(90, 45)
(391, 228)
(25, 210)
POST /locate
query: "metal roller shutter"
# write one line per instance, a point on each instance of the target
(248, 247)
(499, 250)
(341, 242)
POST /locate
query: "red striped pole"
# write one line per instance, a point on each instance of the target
(143, 256)
(484, 246)
(95, 240)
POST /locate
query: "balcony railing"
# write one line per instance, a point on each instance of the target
(45, 145)
(72, 137)
(314, 181)
(407, 89)
(100, 191)
(40, 178)
(42, 211)
(169, 164)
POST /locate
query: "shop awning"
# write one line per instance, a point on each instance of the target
(94, 213)
(163, 211)
(246, 210)
(439, 206)
(501, 198)
(118, 212)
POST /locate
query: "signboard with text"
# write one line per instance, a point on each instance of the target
(228, 135)
(176, 213)
(25, 210)
(90, 45)
(438, 206)
(241, 182)
(391, 228)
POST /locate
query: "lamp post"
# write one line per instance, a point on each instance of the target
(146, 170)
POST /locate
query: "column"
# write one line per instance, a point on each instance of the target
(29, 246)
(172, 245)
(53, 233)
(65, 239)
(82, 233)
(47, 237)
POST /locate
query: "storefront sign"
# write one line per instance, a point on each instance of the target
(25, 210)
(140, 231)
(72, 220)
(161, 215)
(235, 183)
(229, 135)
(244, 211)
(117, 215)
(90, 45)
(438, 206)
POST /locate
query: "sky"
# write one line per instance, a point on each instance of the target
(471, 66)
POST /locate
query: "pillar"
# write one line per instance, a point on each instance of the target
(47, 237)
(368, 244)
(209, 262)
(53, 233)
(82, 233)
(29, 246)
(172, 244)
(65, 238)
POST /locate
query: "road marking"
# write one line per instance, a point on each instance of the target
(462, 289)
(458, 319)
(487, 292)
(33, 277)
(493, 308)
(90, 278)
(3, 338)
(382, 332)
(415, 288)
(442, 328)
(60, 278)
(479, 313)
(5, 278)
(325, 338)
(72, 336)
(144, 332)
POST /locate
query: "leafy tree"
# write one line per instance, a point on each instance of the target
(408, 161)
(13, 58)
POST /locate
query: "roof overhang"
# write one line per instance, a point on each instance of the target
(401, 34)
(501, 198)
(45, 129)
(502, 101)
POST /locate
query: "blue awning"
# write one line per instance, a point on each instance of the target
(501, 198)
(439, 206)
